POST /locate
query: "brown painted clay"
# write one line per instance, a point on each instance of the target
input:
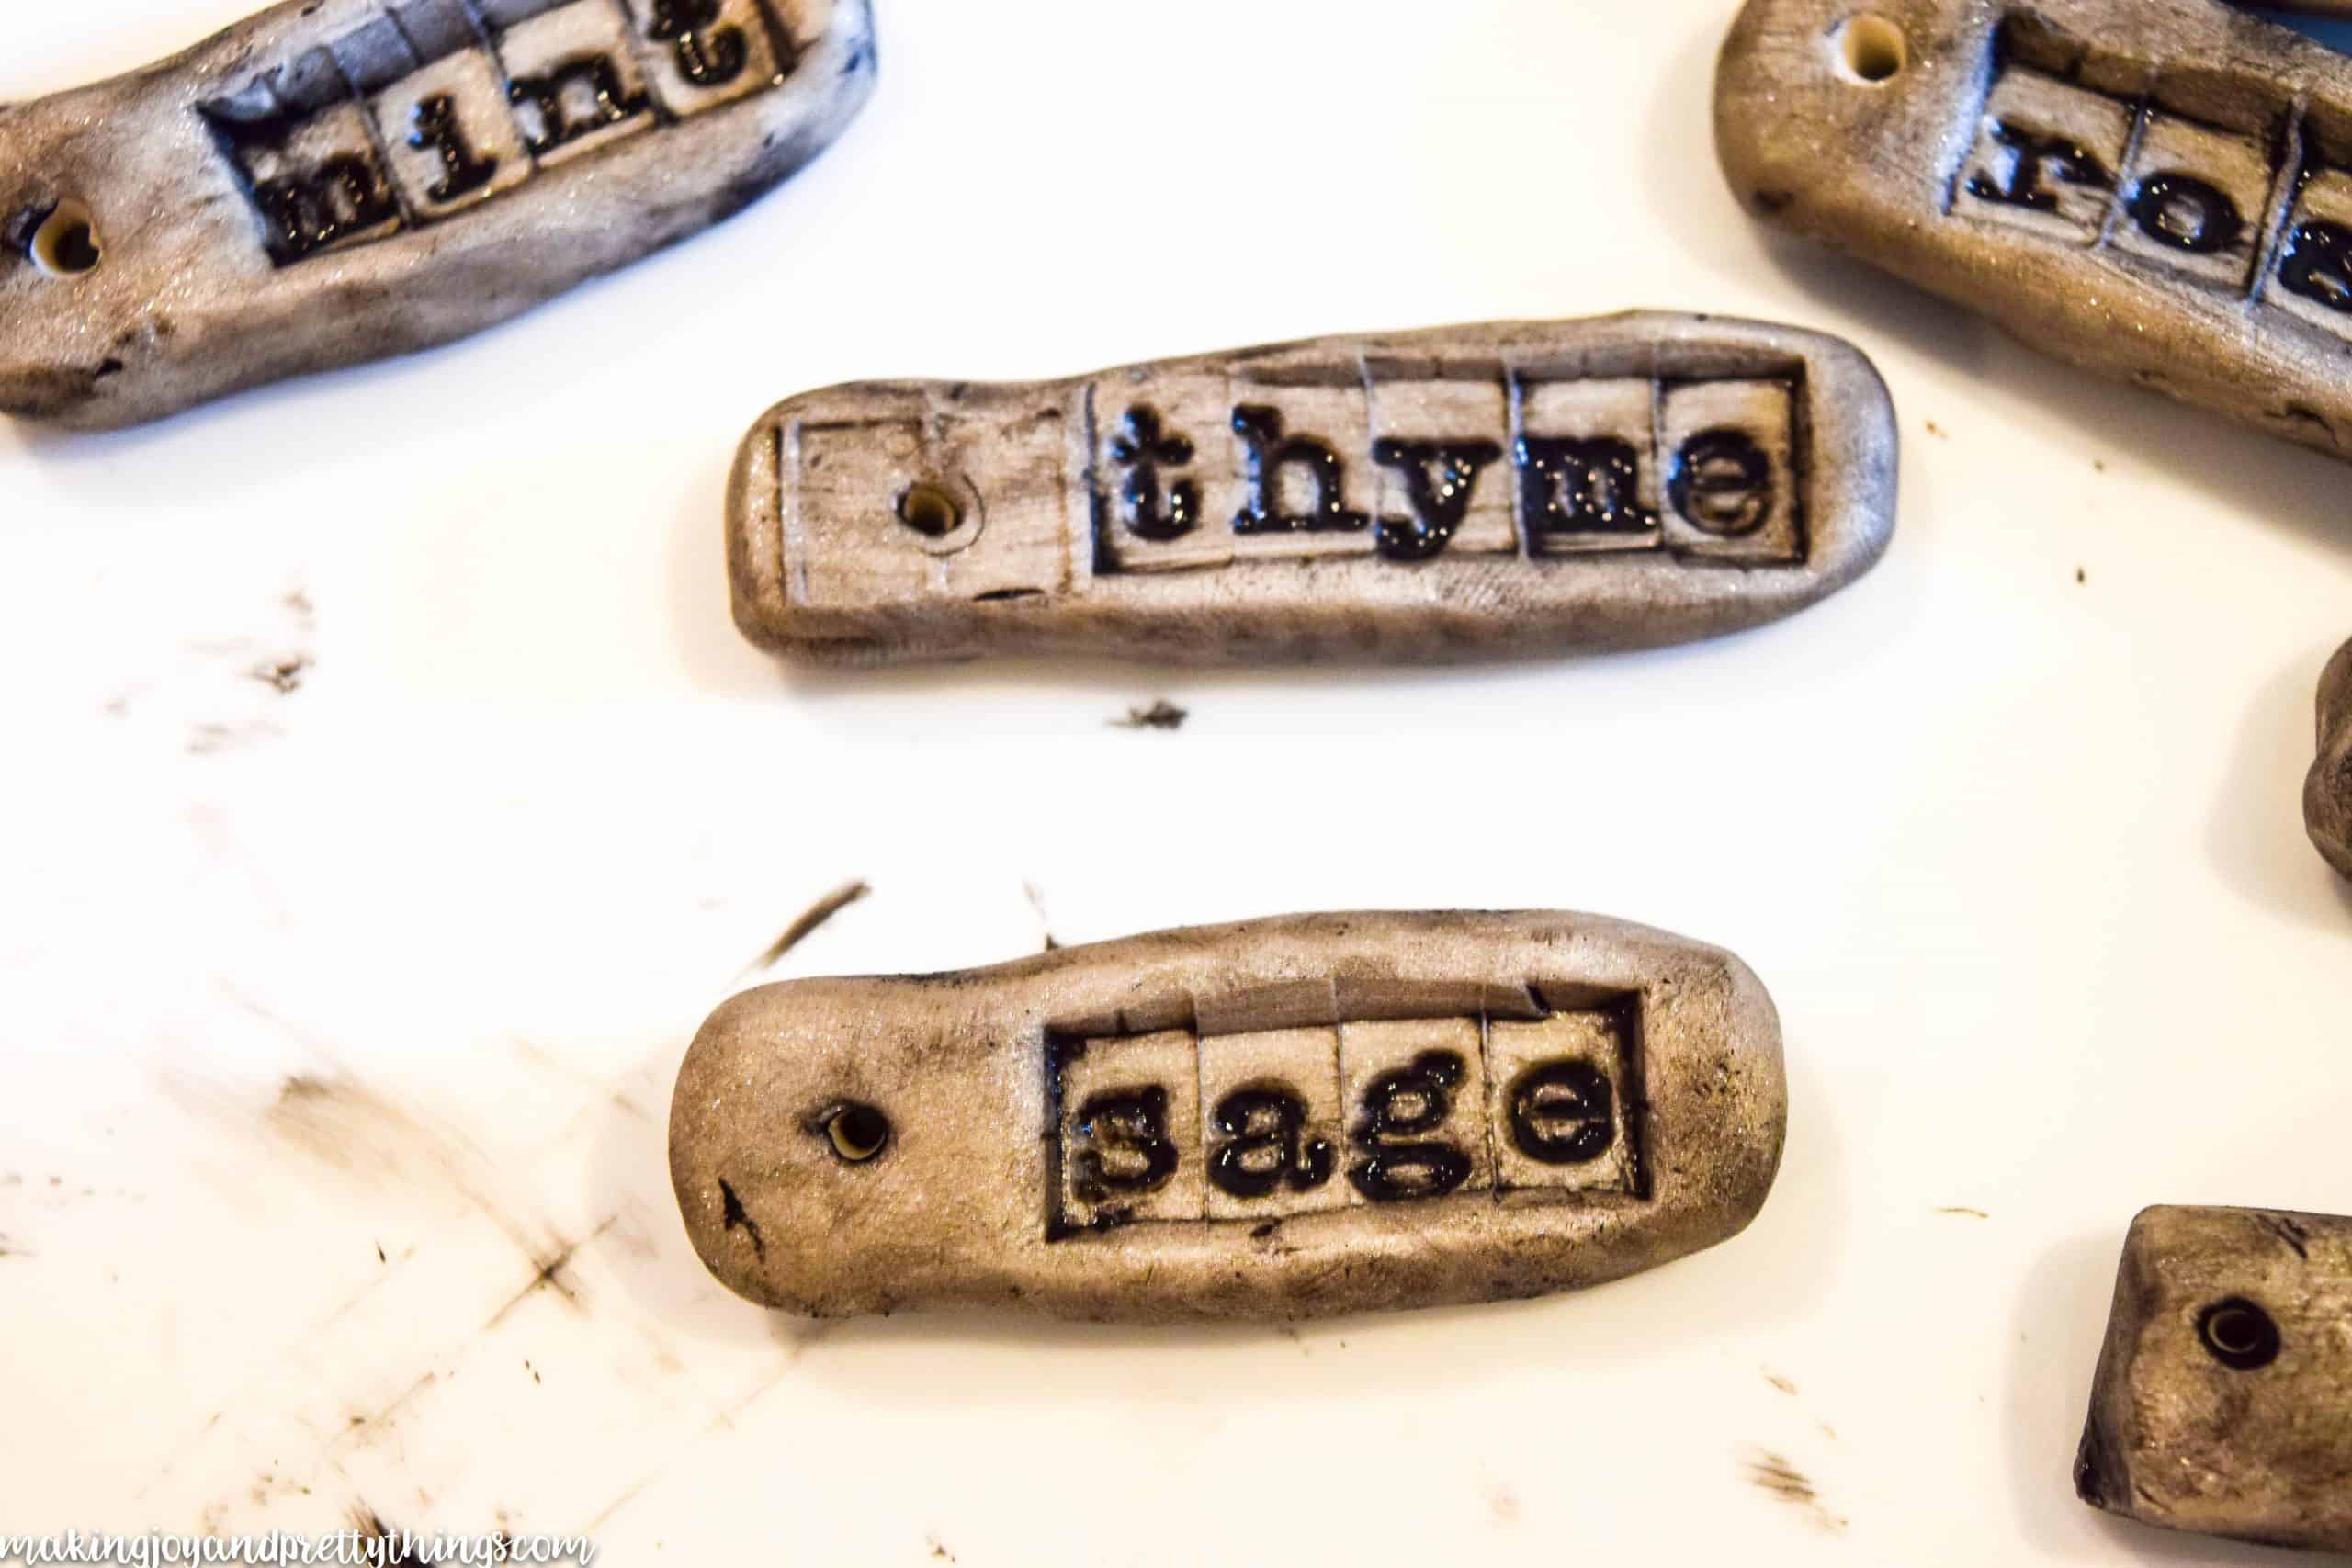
(1450, 494)
(1280, 1119)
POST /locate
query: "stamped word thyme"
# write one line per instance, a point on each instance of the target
(1193, 471)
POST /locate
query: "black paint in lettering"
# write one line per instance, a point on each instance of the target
(2034, 158)
(708, 55)
(1131, 1153)
(1270, 453)
(463, 172)
(1405, 1103)
(345, 195)
(1722, 482)
(2318, 264)
(1439, 477)
(595, 83)
(1572, 487)
(1144, 448)
(2184, 211)
(1264, 1148)
(1564, 1114)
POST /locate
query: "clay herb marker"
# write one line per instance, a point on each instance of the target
(1468, 492)
(335, 181)
(2328, 793)
(2157, 190)
(2222, 1402)
(1279, 1119)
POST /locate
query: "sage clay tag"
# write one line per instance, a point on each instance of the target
(1280, 1119)
(2223, 1400)
(335, 181)
(2328, 793)
(1474, 491)
(2159, 190)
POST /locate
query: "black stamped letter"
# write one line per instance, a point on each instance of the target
(594, 81)
(708, 55)
(1439, 477)
(1404, 1104)
(1569, 487)
(1131, 1153)
(1564, 1114)
(2185, 212)
(1722, 482)
(462, 171)
(1271, 452)
(2318, 264)
(1263, 1149)
(1144, 448)
(2035, 157)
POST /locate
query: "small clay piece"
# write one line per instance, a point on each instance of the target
(1280, 1119)
(1474, 490)
(2328, 793)
(2159, 190)
(335, 181)
(2223, 1398)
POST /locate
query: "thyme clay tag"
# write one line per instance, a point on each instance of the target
(336, 181)
(2328, 793)
(1274, 1120)
(1473, 491)
(2222, 1402)
(2157, 190)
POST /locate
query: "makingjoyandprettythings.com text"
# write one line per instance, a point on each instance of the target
(374, 1548)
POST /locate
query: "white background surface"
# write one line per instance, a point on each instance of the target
(2011, 829)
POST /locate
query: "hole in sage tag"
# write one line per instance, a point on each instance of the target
(858, 1132)
(1873, 48)
(66, 243)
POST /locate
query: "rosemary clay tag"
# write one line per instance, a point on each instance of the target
(2159, 190)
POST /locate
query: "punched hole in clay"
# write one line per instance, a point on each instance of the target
(1873, 50)
(66, 243)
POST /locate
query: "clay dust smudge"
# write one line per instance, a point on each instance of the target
(1162, 714)
(283, 675)
(550, 1276)
(1038, 902)
(1778, 1479)
(810, 919)
(343, 1123)
(394, 1548)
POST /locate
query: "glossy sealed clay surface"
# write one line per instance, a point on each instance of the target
(2328, 793)
(1280, 1119)
(336, 181)
(1472, 490)
(2156, 189)
(2223, 1398)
